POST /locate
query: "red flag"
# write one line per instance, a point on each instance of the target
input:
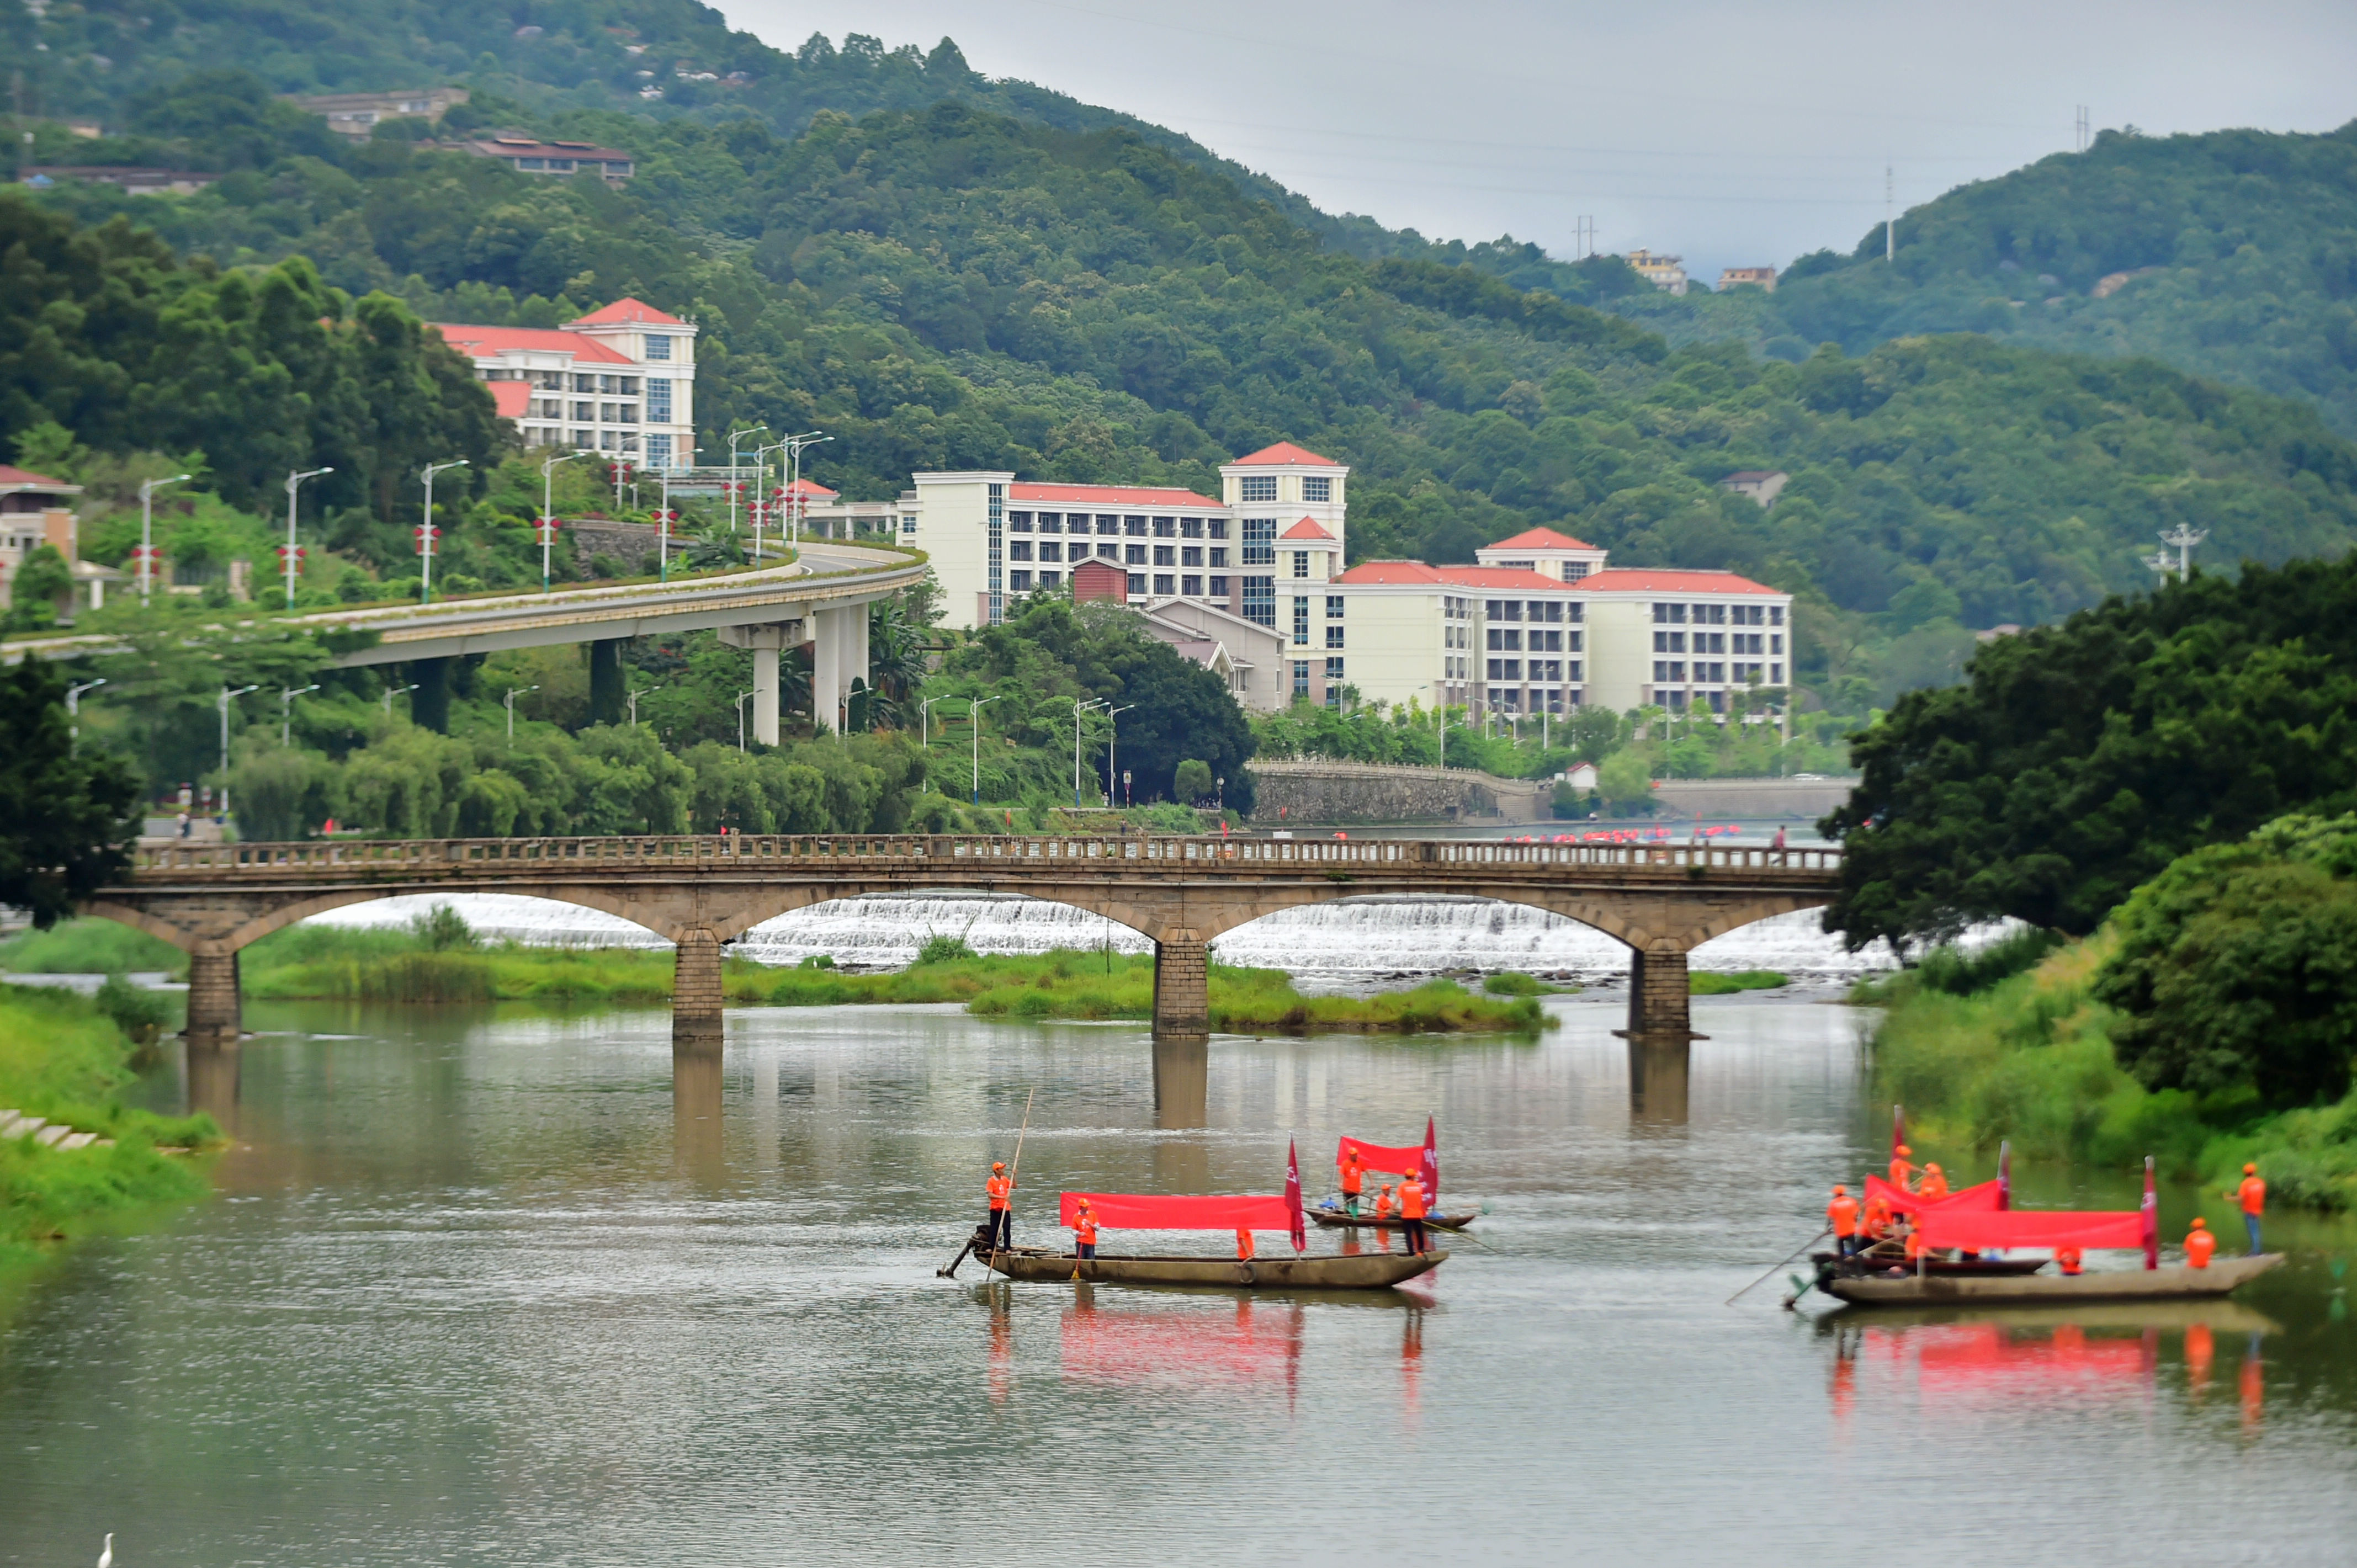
(1430, 1174)
(1293, 1198)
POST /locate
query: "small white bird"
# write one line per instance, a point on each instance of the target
(106, 1552)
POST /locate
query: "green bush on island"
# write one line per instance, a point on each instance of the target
(1712, 983)
(1514, 983)
(65, 1061)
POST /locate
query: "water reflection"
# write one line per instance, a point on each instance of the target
(212, 1078)
(696, 1079)
(1219, 1348)
(1182, 1077)
(1658, 1082)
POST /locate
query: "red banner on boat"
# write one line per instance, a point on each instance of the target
(1987, 1195)
(1981, 1230)
(1300, 1222)
(1133, 1211)
(1423, 1162)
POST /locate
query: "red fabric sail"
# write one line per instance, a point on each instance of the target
(1133, 1211)
(1981, 1230)
(1987, 1195)
(1383, 1160)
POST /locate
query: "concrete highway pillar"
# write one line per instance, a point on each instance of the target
(696, 993)
(765, 691)
(429, 705)
(214, 1018)
(608, 696)
(1181, 980)
(826, 672)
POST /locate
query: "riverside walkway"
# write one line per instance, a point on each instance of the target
(698, 892)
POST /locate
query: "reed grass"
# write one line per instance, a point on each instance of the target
(1712, 983)
(89, 946)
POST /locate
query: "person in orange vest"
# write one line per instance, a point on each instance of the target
(1085, 1230)
(1842, 1215)
(1411, 1197)
(1001, 1188)
(1873, 1223)
(1902, 1168)
(2253, 1196)
(1934, 1186)
(1383, 1204)
(2066, 1260)
(1354, 1181)
(2199, 1245)
(1244, 1244)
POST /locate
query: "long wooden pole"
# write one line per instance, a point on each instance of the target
(1015, 1172)
(1755, 1284)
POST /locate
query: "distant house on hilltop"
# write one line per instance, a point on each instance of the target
(1667, 274)
(529, 154)
(356, 114)
(1747, 277)
(1762, 485)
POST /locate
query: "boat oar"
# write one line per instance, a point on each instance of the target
(1015, 1171)
(1778, 1263)
(951, 1273)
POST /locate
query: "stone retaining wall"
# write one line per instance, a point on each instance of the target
(1316, 791)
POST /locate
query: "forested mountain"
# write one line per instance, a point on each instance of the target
(2232, 255)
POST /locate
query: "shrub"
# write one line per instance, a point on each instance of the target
(141, 1014)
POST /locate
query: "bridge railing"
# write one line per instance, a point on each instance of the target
(496, 858)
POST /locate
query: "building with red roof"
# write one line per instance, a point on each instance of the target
(620, 380)
(1558, 555)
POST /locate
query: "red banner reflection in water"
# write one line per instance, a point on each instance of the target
(1973, 1360)
(1203, 1349)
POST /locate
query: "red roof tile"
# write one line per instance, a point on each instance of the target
(1642, 580)
(1107, 495)
(1541, 539)
(626, 310)
(483, 342)
(1281, 452)
(514, 398)
(810, 488)
(1392, 573)
(1515, 577)
(20, 478)
(1306, 529)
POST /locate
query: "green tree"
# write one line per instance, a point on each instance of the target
(69, 817)
(1625, 781)
(38, 587)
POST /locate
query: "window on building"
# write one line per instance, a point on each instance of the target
(1166, 555)
(657, 347)
(659, 451)
(1133, 555)
(1165, 584)
(1108, 526)
(1166, 528)
(1190, 555)
(1260, 541)
(1718, 702)
(1776, 643)
(1050, 579)
(1192, 586)
(1018, 581)
(1300, 621)
(1138, 583)
(1218, 555)
(1108, 552)
(1018, 550)
(1219, 528)
(629, 414)
(1260, 601)
(1334, 603)
(1775, 615)
(584, 413)
(908, 522)
(1333, 637)
(1051, 522)
(1135, 527)
(1775, 674)
(1300, 671)
(1256, 487)
(1317, 488)
(1301, 563)
(1018, 522)
(1050, 550)
(1190, 528)
(995, 533)
(1219, 587)
(658, 400)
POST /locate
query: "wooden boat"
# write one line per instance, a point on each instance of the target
(2175, 1283)
(1369, 1270)
(1969, 1268)
(1336, 1219)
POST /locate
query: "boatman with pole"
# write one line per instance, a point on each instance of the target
(1410, 1201)
(2252, 1197)
(1842, 1215)
(1002, 1212)
(1354, 1177)
(1084, 1231)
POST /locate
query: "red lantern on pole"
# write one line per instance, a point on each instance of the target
(425, 537)
(546, 528)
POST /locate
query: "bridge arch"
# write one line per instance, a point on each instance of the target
(783, 900)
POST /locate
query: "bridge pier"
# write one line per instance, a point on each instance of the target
(429, 705)
(695, 992)
(214, 1015)
(608, 693)
(1182, 984)
(1659, 997)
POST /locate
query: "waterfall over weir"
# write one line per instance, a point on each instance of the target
(1353, 939)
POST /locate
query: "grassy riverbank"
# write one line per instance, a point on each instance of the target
(63, 1059)
(423, 965)
(1977, 1055)
(1711, 982)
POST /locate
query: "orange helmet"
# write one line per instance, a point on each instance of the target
(1905, 1152)
(2250, 1170)
(1932, 1169)
(1840, 1191)
(999, 1165)
(2199, 1222)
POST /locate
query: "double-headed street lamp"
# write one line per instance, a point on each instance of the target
(292, 551)
(793, 445)
(742, 697)
(973, 712)
(147, 489)
(286, 697)
(73, 710)
(736, 483)
(392, 692)
(223, 702)
(1078, 709)
(514, 692)
(633, 700)
(1111, 736)
(548, 509)
(426, 530)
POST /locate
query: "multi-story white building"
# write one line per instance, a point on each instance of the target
(620, 380)
(1686, 642)
(1545, 552)
(1281, 521)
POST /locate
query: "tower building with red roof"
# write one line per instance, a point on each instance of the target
(620, 380)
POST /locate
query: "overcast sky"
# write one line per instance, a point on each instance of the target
(1731, 134)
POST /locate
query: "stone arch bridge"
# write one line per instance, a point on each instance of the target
(210, 900)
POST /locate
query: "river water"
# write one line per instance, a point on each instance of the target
(492, 1288)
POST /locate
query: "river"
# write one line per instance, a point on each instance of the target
(488, 1287)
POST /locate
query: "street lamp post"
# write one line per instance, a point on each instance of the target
(762, 504)
(736, 483)
(293, 553)
(740, 720)
(286, 697)
(548, 510)
(925, 722)
(147, 489)
(223, 702)
(392, 692)
(73, 710)
(514, 691)
(1113, 735)
(633, 700)
(1078, 709)
(973, 712)
(425, 531)
(794, 445)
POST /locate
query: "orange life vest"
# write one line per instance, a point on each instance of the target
(1843, 1212)
(1935, 1188)
(1383, 1204)
(1411, 1195)
(2254, 1195)
(1086, 1227)
(2199, 1245)
(1353, 1175)
(1902, 1172)
(1000, 1187)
